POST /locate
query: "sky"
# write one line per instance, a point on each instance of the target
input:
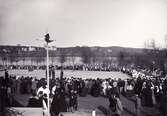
(127, 23)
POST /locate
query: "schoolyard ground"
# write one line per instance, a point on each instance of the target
(68, 73)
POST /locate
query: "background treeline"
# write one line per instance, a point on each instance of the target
(150, 57)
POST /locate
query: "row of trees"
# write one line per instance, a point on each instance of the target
(87, 54)
(151, 57)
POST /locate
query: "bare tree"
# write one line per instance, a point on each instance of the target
(13, 56)
(62, 57)
(153, 44)
(4, 60)
(121, 58)
(86, 54)
(152, 56)
(73, 51)
(165, 40)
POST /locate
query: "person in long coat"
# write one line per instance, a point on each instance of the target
(62, 101)
(55, 109)
(73, 102)
(149, 100)
(95, 90)
(147, 96)
(115, 107)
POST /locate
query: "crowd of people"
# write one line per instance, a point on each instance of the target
(150, 87)
(149, 90)
(97, 67)
(4, 96)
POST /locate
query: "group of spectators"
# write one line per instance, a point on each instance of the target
(102, 67)
(64, 91)
(149, 90)
(149, 86)
(5, 96)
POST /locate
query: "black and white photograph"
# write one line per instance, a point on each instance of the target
(83, 57)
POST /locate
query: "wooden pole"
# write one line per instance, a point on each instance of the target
(47, 71)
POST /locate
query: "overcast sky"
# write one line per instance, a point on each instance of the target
(126, 23)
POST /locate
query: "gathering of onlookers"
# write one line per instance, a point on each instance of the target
(148, 90)
(81, 67)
